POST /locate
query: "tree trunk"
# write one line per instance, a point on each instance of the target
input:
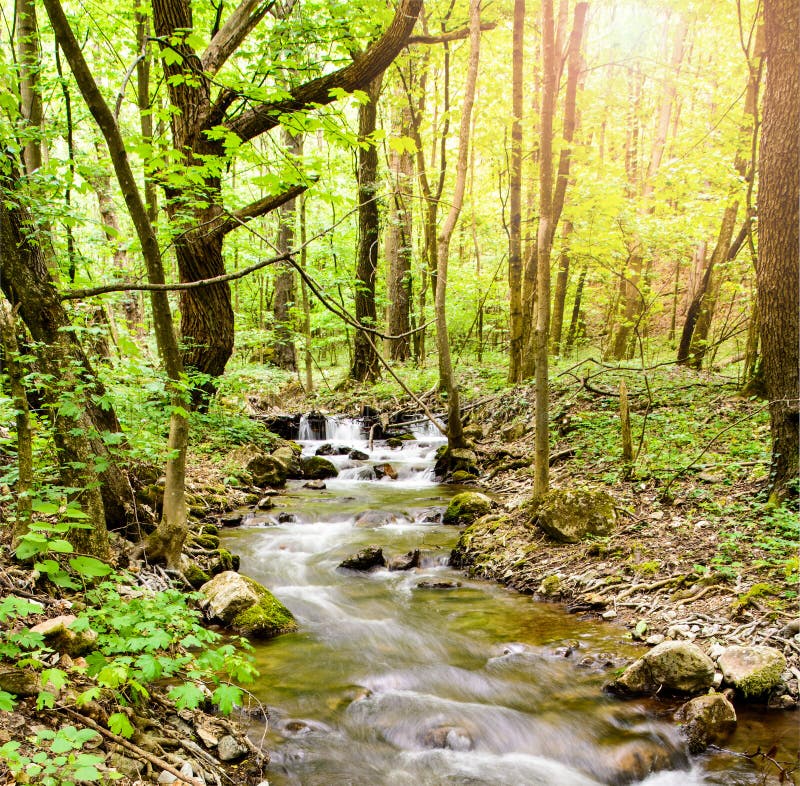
(541, 476)
(366, 366)
(777, 270)
(712, 282)
(399, 245)
(27, 284)
(455, 431)
(573, 332)
(285, 288)
(560, 294)
(306, 304)
(29, 55)
(111, 227)
(16, 372)
(515, 198)
(166, 542)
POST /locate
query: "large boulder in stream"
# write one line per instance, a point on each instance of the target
(570, 515)
(674, 667)
(288, 456)
(266, 471)
(753, 671)
(318, 468)
(467, 507)
(243, 605)
(706, 720)
(366, 559)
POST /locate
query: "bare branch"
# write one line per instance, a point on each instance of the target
(236, 28)
(357, 75)
(453, 35)
(258, 208)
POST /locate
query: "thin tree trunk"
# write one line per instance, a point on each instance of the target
(515, 197)
(285, 288)
(29, 56)
(541, 476)
(307, 358)
(399, 244)
(166, 542)
(455, 431)
(712, 283)
(572, 333)
(560, 294)
(366, 365)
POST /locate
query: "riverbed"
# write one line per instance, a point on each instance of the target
(425, 677)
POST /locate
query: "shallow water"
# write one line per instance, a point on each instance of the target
(390, 683)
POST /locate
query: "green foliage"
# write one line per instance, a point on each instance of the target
(58, 758)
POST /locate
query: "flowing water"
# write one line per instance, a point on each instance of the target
(392, 682)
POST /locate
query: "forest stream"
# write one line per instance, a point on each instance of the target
(394, 680)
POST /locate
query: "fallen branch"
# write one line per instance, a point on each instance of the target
(141, 752)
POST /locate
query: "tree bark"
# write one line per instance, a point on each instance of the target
(166, 542)
(29, 56)
(574, 322)
(560, 294)
(541, 470)
(285, 288)
(455, 430)
(77, 429)
(366, 366)
(777, 269)
(399, 245)
(515, 198)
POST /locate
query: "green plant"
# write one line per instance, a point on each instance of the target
(58, 758)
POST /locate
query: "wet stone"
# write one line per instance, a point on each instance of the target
(366, 559)
(230, 749)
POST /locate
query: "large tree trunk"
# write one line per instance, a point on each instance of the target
(515, 199)
(366, 366)
(399, 245)
(27, 284)
(778, 219)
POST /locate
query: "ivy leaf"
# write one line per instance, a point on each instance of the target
(119, 724)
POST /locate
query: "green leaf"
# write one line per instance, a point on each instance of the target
(60, 546)
(118, 723)
(186, 695)
(226, 696)
(6, 701)
(90, 567)
(45, 699)
(87, 773)
(54, 679)
(45, 508)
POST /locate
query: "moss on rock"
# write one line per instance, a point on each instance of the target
(466, 507)
(570, 515)
(267, 619)
(318, 468)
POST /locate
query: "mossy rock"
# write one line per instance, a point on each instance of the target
(753, 671)
(463, 477)
(289, 458)
(318, 468)
(209, 529)
(195, 575)
(394, 442)
(222, 560)
(246, 607)
(466, 507)
(571, 515)
(267, 619)
(209, 542)
(266, 471)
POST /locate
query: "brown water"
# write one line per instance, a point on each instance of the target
(389, 683)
